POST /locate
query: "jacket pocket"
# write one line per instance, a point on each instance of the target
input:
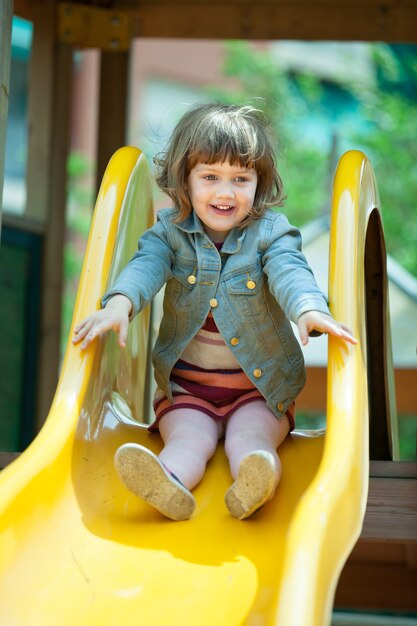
(248, 283)
(185, 273)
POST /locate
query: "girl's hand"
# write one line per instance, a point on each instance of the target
(314, 320)
(115, 315)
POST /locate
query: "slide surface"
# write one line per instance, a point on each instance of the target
(77, 548)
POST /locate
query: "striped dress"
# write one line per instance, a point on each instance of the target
(199, 383)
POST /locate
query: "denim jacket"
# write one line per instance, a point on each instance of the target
(258, 281)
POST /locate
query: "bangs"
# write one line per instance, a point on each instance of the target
(219, 138)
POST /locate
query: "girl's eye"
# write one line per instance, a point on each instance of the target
(241, 179)
(210, 177)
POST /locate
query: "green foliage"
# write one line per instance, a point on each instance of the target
(384, 127)
(80, 192)
(407, 434)
(390, 140)
(79, 214)
(260, 82)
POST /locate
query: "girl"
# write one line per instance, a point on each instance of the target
(226, 360)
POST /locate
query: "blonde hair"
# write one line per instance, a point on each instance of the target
(214, 133)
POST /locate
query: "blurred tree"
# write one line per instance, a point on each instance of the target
(384, 127)
(390, 140)
(80, 196)
(260, 82)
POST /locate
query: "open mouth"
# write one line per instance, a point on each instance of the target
(222, 209)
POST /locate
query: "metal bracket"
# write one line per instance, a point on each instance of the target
(85, 26)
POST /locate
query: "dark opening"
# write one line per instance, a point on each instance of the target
(376, 319)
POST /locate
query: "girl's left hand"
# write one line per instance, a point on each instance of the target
(315, 320)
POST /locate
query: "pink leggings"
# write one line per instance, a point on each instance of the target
(191, 437)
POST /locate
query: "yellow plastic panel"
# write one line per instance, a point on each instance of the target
(329, 517)
(77, 548)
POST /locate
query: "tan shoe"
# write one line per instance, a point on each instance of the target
(144, 475)
(254, 485)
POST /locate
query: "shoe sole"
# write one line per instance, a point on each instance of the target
(253, 486)
(144, 475)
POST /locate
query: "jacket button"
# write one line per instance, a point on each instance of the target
(213, 303)
(251, 284)
(280, 406)
(234, 341)
(257, 372)
(191, 280)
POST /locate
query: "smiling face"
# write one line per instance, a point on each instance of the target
(222, 195)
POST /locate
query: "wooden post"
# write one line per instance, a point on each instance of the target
(49, 119)
(112, 107)
(6, 14)
(40, 110)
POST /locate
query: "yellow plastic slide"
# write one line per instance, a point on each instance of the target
(76, 549)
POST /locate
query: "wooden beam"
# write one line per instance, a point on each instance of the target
(40, 106)
(24, 9)
(391, 511)
(332, 20)
(49, 117)
(53, 252)
(393, 469)
(112, 107)
(370, 20)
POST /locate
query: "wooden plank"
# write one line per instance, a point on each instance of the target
(391, 512)
(281, 4)
(40, 106)
(361, 20)
(393, 469)
(381, 586)
(344, 21)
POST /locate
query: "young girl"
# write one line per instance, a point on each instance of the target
(227, 363)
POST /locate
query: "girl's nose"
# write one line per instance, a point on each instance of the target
(225, 191)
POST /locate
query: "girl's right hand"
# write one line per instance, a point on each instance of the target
(114, 316)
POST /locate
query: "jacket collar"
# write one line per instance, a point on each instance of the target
(232, 243)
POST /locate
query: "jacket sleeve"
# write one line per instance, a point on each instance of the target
(290, 278)
(147, 272)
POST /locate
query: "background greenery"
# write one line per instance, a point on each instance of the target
(380, 118)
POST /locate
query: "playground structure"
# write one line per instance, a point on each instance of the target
(101, 556)
(389, 527)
